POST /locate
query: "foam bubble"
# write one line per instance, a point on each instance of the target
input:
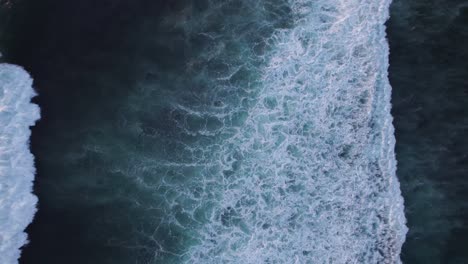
(17, 203)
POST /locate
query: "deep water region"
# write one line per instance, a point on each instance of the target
(227, 131)
(428, 73)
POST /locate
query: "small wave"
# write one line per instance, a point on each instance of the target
(17, 203)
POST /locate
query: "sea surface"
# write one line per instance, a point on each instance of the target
(428, 73)
(244, 131)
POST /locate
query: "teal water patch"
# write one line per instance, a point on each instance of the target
(218, 132)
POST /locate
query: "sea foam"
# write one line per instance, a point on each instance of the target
(260, 132)
(312, 169)
(17, 203)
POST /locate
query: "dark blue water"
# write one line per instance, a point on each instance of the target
(428, 73)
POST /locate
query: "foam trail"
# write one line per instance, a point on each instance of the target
(17, 203)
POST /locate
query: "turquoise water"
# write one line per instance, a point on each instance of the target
(212, 132)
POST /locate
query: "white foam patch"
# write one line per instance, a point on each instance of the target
(312, 169)
(17, 203)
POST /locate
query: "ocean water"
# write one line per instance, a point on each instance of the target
(428, 73)
(212, 132)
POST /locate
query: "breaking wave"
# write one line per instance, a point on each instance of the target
(309, 177)
(17, 203)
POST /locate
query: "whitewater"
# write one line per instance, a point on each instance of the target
(17, 203)
(282, 147)
(312, 168)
